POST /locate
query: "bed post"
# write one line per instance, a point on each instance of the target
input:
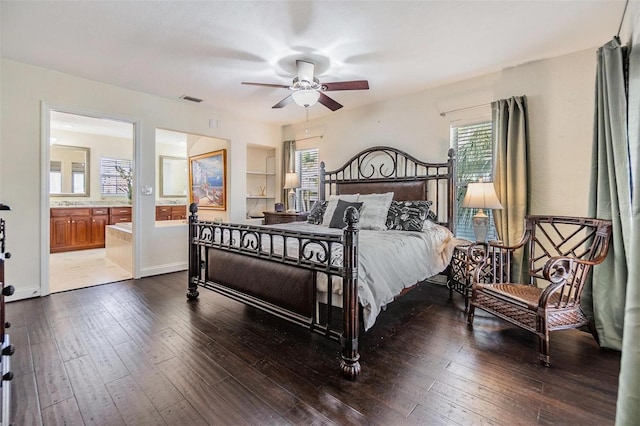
(192, 292)
(322, 195)
(349, 364)
(451, 195)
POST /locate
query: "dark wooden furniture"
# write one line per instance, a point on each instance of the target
(465, 259)
(119, 214)
(230, 259)
(178, 212)
(559, 254)
(6, 349)
(461, 270)
(273, 218)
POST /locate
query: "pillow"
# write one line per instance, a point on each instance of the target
(317, 212)
(337, 220)
(374, 210)
(408, 215)
(333, 202)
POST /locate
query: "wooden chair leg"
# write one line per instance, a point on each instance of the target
(471, 314)
(543, 356)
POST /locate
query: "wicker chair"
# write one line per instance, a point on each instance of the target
(558, 255)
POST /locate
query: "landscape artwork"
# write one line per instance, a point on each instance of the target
(207, 178)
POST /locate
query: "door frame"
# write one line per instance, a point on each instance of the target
(45, 132)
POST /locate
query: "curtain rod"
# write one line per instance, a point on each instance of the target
(309, 137)
(624, 12)
(444, 113)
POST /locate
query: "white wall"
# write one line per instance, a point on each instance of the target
(24, 87)
(560, 94)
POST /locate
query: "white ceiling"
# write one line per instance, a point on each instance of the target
(206, 49)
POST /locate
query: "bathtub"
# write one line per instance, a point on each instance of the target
(119, 245)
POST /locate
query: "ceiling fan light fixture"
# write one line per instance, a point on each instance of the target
(305, 98)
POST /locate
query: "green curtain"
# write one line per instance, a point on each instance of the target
(610, 196)
(612, 297)
(628, 407)
(511, 173)
(288, 164)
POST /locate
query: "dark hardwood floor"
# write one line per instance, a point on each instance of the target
(137, 353)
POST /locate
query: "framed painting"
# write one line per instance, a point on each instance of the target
(208, 180)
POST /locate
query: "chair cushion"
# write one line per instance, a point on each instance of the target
(523, 295)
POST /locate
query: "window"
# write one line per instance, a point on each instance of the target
(113, 182)
(77, 178)
(473, 145)
(55, 177)
(308, 174)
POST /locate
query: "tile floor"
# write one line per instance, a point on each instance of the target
(83, 268)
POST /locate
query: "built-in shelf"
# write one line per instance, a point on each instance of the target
(262, 173)
(261, 179)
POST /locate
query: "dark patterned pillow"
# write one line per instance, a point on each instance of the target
(409, 215)
(317, 212)
(337, 220)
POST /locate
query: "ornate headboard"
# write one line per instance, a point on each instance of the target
(384, 169)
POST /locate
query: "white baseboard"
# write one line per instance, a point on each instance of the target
(24, 294)
(163, 269)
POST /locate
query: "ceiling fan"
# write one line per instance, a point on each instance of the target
(307, 89)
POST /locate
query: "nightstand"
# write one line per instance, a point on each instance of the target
(462, 266)
(273, 218)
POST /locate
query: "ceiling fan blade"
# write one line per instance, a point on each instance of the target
(286, 101)
(282, 86)
(346, 85)
(305, 70)
(328, 102)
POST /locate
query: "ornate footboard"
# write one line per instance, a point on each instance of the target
(278, 271)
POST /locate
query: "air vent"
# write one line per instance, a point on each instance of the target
(190, 98)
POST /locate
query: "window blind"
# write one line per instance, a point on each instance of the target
(473, 143)
(307, 168)
(111, 182)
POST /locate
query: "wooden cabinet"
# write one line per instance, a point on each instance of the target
(273, 218)
(99, 220)
(178, 212)
(163, 212)
(119, 214)
(71, 229)
(171, 212)
(80, 228)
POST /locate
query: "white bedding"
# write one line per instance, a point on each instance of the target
(389, 261)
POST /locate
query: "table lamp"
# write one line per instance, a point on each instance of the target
(481, 195)
(291, 182)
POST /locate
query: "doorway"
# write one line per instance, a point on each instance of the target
(89, 183)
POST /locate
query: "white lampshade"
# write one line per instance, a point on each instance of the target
(306, 97)
(291, 181)
(481, 195)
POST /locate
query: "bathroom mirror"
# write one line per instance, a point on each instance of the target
(68, 171)
(173, 176)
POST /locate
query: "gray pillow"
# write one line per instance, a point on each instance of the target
(337, 220)
(333, 202)
(317, 212)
